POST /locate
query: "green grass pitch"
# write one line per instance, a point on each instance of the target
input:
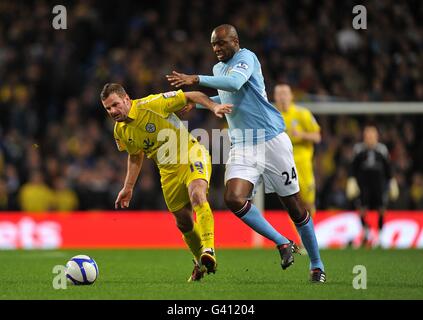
(242, 274)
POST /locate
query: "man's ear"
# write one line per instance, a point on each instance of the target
(127, 98)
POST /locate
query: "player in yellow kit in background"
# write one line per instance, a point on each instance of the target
(304, 132)
(149, 126)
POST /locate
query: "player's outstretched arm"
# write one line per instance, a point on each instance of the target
(133, 170)
(218, 109)
(187, 108)
(232, 82)
(191, 105)
(178, 79)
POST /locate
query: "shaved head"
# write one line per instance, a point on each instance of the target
(225, 42)
(227, 29)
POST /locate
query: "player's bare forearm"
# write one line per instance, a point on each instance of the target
(218, 109)
(133, 169)
(201, 98)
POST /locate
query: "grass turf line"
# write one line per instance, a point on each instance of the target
(242, 274)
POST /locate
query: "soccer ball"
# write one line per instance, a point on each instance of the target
(81, 269)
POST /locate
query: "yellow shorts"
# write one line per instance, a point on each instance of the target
(306, 181)
(176, 179)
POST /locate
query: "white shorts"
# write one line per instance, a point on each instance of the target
(271, 161)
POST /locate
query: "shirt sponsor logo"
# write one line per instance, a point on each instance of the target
(169, 94)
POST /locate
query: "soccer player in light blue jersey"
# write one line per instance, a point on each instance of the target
(260, 148)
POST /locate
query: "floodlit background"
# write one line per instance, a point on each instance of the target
(60, 170)
(57, 151)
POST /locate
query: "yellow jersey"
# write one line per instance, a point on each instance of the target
(156, 130)
(301, 120)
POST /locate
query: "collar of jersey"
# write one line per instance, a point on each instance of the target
(133, 111)
(240, 49)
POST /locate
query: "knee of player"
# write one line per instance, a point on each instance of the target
(198, 196)
(234, 201)
(296, 211)
(297, 216)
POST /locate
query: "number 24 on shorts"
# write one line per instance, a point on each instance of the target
(288, 178)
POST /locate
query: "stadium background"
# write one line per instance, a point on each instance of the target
(56, 148)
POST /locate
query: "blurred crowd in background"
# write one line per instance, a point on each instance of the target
(56, 143)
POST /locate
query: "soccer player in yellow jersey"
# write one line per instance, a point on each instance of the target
(149, 126)
(304, 132)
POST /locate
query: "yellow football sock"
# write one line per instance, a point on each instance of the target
(205, 222)
(193, 240)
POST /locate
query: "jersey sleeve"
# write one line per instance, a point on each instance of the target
(132, 150)
(239, 74)
(232, 82)
(119, 142)
(164, 103)
(244, 65)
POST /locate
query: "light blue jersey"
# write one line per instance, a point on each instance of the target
(239, 81)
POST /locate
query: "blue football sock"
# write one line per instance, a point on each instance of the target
(255, 220)
(308, 237)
